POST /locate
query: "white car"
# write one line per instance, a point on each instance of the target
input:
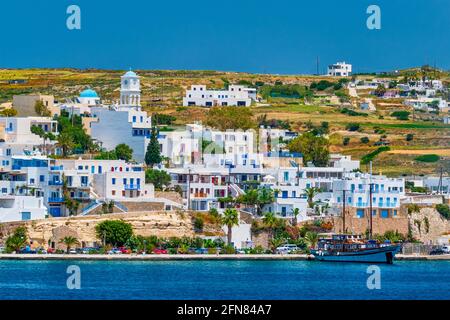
(287, 248)
(446, 249)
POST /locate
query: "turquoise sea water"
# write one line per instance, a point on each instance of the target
(222, 280)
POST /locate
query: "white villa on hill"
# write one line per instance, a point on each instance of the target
(235, 95)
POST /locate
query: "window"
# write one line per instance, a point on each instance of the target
(134, 118)
(113, 181)
(41, 178)
(360, 213)
(384, 214)
(8, 152)
(113, 192)
(26, 215)
(395, 213)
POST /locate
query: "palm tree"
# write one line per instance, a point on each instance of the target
(265, 196)
(65, 141)
(295, 212)
(230, 218)
(276, 242)
(69, 242)
(311, 238)
(270, 221)
(311, 193)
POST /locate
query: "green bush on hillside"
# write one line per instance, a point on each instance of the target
(428, 158)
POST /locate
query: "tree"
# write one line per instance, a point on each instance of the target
(69, 242)
(295, 212)
(409, 137)
(41, 110)
(66, 142)
(311, 193)
(17, 240)
(224, 118)
(37, 130)
(114, 232)
(314, 149)
(380, 90)
(230, 218)
(311, 238)
(153, 154)
(270, 222)
(9, 112)
(364, 140)
(265, 196)
(124, 152)
(159, 178)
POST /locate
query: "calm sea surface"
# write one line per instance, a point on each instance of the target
(222, 280)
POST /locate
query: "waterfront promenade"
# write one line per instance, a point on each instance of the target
(167, 257)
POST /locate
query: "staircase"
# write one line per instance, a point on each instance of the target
(236, 190)
(120, 206)
(90, 207)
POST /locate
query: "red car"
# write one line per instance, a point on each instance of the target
(124, 250)
(159, 251)
(51, 250)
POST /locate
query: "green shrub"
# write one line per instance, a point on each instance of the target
(346, 141)
(198, 224)
(352, 127)
(401, 115)
(365, 140)
(443, 210)
(428, 158)
(409, 137)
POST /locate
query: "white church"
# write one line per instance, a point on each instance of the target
(123, 122)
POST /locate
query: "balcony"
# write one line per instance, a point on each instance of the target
(16, 167)
(56, 168)
(55, 183)
(200, 195)
(55, 200)
(132, 187)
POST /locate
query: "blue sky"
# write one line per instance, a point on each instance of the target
(283, 36)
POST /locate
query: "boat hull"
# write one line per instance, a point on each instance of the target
(376, 255)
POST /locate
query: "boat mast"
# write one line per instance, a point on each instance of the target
(370, 211)
(343, 211)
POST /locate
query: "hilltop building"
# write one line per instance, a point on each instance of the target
(340, 69)
(235, 95)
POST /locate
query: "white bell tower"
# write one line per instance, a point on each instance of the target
(130, 90)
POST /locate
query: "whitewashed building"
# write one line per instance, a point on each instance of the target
(340, 69)
(235, 95)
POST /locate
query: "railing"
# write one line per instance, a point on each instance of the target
(55, 183)
(120, 206)
(56, 168)
(16, 167)
(90, 207)
(55, 199)
(132, 187)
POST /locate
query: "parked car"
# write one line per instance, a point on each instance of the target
(2, 249)
(51, 250)
(159, 251)
(287, 248)
(201, 251)
(114, 251)
(436, 252)
(28, 250)
(446, 249)
(73, 251)
(125, 250)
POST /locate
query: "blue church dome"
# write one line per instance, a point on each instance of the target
(88, 93)
(130, 74)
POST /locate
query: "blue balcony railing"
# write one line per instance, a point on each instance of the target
(55, 200)
(55, 183)
(16, 167)
(132, 187)
(56, 168)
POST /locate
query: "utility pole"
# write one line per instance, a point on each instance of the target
(440, 181)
